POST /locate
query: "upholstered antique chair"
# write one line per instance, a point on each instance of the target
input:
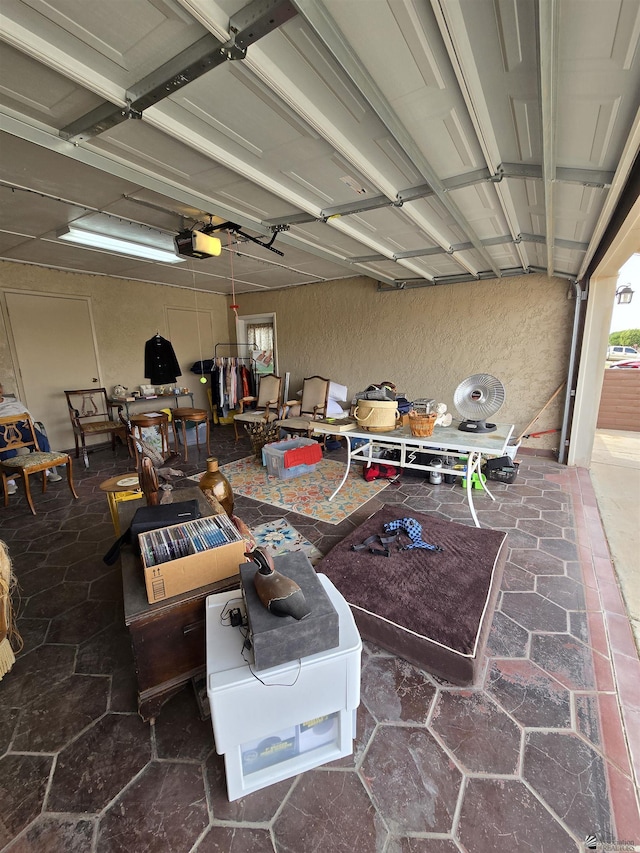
(300, 414)
(91, 414)
(267, 403)
(17, 433)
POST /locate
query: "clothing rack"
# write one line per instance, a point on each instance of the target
(232, 345)
(230, 361)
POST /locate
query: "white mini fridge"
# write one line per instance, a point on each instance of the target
(275, 723)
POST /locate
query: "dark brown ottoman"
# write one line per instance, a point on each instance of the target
(433, 609)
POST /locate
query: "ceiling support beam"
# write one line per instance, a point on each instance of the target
(412, 284)
(598, 178)
(548, 21)
(246, 27)
(572, 245)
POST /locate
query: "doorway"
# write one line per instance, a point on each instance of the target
(63, 327)
(259, 332)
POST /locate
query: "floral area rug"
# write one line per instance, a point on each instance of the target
(279, 537)
(307, 494)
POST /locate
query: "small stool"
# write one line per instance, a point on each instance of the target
(124, 487)
(152, 419)
(198, 416)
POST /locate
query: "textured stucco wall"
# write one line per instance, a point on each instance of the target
(427, 340)
(125, 315)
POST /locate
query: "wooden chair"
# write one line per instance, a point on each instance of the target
(299, 415)
(149, 481)
(91, 414)
(140, 449)
(17, 433)
(267, 403)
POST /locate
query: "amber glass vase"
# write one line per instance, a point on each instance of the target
(214, 480)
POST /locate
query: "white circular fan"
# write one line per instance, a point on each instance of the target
(477, 398)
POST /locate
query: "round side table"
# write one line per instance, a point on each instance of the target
(179, 417)
(124, 487)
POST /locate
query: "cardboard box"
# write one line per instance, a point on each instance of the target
(280, 639)
(170, 578)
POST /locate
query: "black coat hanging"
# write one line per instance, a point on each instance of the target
(160, 362)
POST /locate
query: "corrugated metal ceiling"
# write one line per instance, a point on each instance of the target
(415, 142)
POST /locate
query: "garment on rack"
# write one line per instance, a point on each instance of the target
(245, 381)
(215, 386)
(202, 367)
(231, 379)
(222, 384)
(160, 362)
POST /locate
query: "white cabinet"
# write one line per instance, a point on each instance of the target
(275, 723)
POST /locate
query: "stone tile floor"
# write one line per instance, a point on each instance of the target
(535, 757)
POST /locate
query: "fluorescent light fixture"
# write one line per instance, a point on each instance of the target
(94, 240)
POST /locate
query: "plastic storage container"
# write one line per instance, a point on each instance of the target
(303, 451)
(193, 433)
(504, 473)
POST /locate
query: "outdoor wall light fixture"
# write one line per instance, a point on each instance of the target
(95, 240)
(624, 295)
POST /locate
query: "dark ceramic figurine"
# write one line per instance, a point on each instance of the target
(279, 594)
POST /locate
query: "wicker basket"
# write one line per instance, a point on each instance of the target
(261, 433)
(377, 415)
(422, 425)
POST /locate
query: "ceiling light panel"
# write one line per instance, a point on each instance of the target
(105, 243)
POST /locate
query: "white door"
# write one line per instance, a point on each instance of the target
(55, 350)
(191, 334)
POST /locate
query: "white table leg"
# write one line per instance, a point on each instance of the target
(472, 463)
(346, 473)
(482, 482)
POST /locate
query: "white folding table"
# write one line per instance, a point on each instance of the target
(445, 441)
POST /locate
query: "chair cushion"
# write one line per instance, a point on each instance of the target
(255, 417)
(101, 426)
(296, 423)
(38, 457)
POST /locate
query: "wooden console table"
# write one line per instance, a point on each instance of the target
(161, 401)
(168, 638)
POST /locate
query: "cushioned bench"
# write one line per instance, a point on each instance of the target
(432, 608)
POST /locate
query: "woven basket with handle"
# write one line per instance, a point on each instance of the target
(422, 425)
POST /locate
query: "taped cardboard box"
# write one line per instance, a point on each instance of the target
(184, 573)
